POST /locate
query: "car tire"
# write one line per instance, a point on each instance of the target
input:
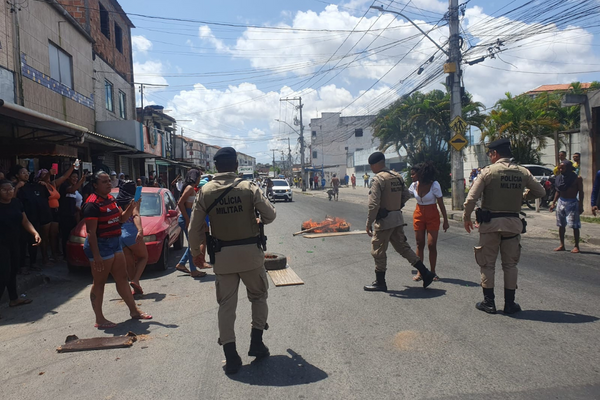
(178, 245)
(275, 261)
(163, 261)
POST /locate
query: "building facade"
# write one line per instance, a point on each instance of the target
(334, 138)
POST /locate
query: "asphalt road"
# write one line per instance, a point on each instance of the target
(329, 339)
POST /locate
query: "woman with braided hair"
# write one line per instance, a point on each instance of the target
(426, 218)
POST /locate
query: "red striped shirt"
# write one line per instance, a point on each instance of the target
(106, 211)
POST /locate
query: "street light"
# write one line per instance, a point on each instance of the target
(294, 129)
(381, 9)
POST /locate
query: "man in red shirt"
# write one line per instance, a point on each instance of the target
(316, 181)
(353, 180)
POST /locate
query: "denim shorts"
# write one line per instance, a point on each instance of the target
(128, 234)
(108, 247)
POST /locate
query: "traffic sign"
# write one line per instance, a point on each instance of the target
(458, 142)
(458, 125)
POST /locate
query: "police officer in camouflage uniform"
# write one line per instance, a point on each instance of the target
(502, 185)
(385, 223)
(233, 223)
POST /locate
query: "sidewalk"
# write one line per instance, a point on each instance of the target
(542, 224)
(57, 272)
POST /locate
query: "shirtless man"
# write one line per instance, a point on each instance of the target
(335, 182)
(568, 207)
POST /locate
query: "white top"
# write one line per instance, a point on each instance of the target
(430, 198)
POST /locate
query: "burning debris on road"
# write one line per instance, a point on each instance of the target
(329, 224)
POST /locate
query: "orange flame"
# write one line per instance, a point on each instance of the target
(330, 224)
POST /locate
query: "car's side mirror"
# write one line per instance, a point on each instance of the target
(171, 213)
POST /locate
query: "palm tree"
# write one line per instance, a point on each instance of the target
(526, 122)
(420, 124)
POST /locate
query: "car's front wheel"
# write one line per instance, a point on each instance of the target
(163, 261)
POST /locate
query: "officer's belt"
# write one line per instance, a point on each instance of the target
(250, 240)
(504, 215)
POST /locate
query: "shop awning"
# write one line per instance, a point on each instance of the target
(36, 126)
(25, 150)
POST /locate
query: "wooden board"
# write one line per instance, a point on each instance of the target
(285, 277)
(330, 234)
(73, 343)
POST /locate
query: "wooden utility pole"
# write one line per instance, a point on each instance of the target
(458, 183)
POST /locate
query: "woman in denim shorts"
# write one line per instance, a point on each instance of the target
(103, 219)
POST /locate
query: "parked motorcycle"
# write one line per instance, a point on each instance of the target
(548, 184)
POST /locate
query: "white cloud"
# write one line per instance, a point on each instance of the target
(534, 61)
(146, 70)
(244, 114)
(140, 44)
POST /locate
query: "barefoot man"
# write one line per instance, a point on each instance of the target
(568, 202)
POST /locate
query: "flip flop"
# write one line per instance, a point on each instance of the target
(142, 316)
(20, 302)
(206, 266)
(108, 325)
(137, 289)
(436, 278)
(198, 274)
(182, 269)
(417, 278)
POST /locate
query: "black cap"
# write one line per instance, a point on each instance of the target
(225, 152)
(500, 145)
(376, 157)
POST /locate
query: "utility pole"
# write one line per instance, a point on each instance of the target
(452, 67)
(302, 169)
(458, 183)
(290, 157)
(142, 94)
(273, 150)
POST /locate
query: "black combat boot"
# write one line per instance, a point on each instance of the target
(233, 362)
(510, 307)
(257, 347)
(426, 274)
(488, 305)
(379, 285)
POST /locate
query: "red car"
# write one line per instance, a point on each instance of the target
(159, 218)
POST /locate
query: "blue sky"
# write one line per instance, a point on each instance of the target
(226, 73)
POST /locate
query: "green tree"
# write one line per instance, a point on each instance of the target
(526, 121)
(420, 125)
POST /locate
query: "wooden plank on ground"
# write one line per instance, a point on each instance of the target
(285, 277)
(330, 234)
(73, 343)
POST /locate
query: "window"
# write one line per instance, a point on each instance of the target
(315, 154)
(119, 38)
(108, 92)
(314, 134)
(122, 105)
(358, 132)
(60, 66)
(104, 25)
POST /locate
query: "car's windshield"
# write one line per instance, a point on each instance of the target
(150, 206)
(280, 183)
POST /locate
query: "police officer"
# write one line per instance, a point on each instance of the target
(234, 225)
(502, 185)
(385, 223)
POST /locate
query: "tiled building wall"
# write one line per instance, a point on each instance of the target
(6, 31)
(40, 25)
